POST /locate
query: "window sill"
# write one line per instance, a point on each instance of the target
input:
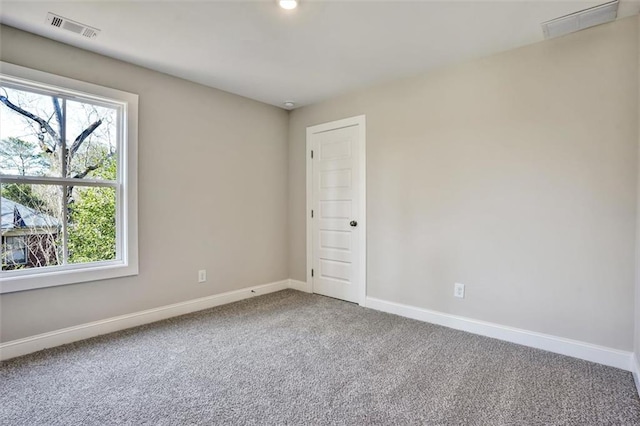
(11, 282)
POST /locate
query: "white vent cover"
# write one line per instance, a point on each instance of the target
(73, 26)
(580, 20)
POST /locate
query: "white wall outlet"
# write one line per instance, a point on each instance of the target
(202, 275)
(458, 290)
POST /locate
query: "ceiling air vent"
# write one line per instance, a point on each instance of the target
(580, 20)
(73, 26)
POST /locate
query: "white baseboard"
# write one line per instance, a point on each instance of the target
(635, 369)
(589, 352)
(300, 286)
(603, 355)
(36, 343)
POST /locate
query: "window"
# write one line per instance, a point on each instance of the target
(14, 252)
(68, 180)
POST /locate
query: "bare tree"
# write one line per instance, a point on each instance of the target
(53, 144)
(20, 156)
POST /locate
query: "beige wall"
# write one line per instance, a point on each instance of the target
(514, 174)
(212, 185)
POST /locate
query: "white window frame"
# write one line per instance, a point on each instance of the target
(126, 263)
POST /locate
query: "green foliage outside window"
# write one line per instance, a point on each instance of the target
(92, 222)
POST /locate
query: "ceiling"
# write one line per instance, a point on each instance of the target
(319, 50)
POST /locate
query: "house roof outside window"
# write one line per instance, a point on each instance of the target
(17, 216)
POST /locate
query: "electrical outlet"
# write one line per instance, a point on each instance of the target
(458, 290)
(202, 275)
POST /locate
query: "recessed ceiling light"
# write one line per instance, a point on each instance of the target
(289, 104)
(288, 4)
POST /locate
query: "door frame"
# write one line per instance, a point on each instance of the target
(359, 121)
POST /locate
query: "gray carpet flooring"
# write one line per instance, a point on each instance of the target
(295, 358)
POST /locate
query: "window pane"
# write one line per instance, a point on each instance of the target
(29, 147)
(92, 224)
(31, 221)
(92, 138)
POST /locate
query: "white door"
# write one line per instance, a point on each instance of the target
(337, 222)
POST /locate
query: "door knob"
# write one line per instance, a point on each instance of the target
(353, 223)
